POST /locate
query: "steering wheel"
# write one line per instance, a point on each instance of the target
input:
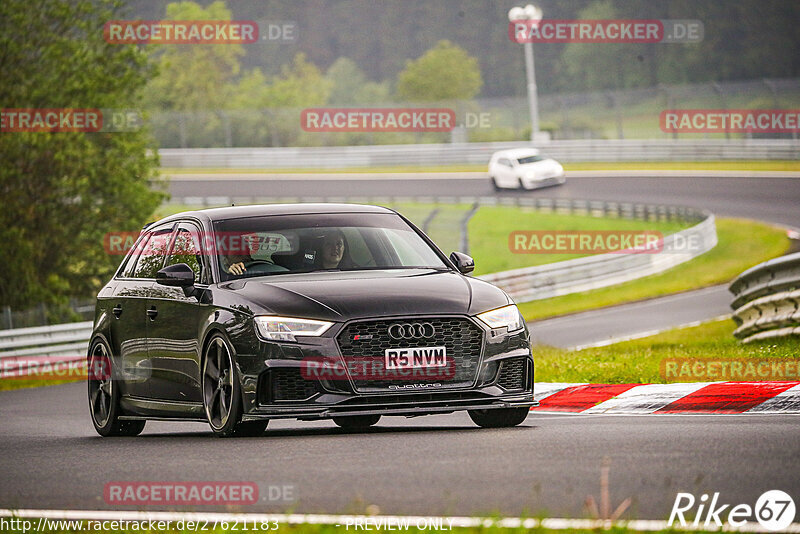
(262, 266)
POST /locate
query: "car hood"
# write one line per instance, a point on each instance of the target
(540, 166)
(342, 296)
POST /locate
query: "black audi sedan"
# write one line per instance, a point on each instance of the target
(235, 316)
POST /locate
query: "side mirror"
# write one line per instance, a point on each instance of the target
(178, 275)
(463, 263)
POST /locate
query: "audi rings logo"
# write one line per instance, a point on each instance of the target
(411, 330)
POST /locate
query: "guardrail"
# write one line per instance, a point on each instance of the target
(54, 344)
(610, 150)
(69, 342)
(766, 300)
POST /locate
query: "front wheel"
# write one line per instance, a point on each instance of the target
(357, 422)
(104, 395)
(222, 394)
(498, 418)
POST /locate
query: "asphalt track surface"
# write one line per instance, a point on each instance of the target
(434, 465)
(637, 319)
(51, 457)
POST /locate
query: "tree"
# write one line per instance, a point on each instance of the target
(593, 66)
(445, 72)
(63, 192)
(199, 76)
(349, 85)
(299, 85)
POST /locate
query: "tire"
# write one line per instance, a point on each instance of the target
(357, 422)
(498, 418)
(222, 393)
(494, 183)
(104, 395)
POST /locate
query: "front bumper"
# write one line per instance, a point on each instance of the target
(536, 183)
(503, 379)
(408, 405)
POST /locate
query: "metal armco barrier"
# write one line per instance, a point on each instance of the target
(56, 344)
(69, 342)
(478, 153)
(766, 300)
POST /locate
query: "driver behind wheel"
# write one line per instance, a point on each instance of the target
(259, 246)
(236, 264)
(333, 249)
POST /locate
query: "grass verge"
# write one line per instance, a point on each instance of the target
(756, 165)
(490, 227)
(19, 383)
(742, 244)
(640, 360)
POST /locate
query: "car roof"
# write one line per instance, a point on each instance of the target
(257, 210)
(516, 153)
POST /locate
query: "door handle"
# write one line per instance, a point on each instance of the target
(152, 312)
(117, 310)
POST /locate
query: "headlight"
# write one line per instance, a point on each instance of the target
(285, 328)
(507, 316)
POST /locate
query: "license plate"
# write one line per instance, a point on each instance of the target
(416, 357)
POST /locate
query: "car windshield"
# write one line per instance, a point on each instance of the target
(284, 244)
(529, 159)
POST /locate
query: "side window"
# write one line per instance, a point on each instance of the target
(133, 255)
(152, 254)
(186, 249)
(504, 161)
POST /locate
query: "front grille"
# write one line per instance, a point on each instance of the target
(512, 374)
(462, 339)
(285, 385)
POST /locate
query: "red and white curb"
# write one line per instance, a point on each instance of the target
(677, 398)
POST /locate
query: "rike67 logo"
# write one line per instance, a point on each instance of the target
(774, 510)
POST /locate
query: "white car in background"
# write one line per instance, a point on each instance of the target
(524, 168)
